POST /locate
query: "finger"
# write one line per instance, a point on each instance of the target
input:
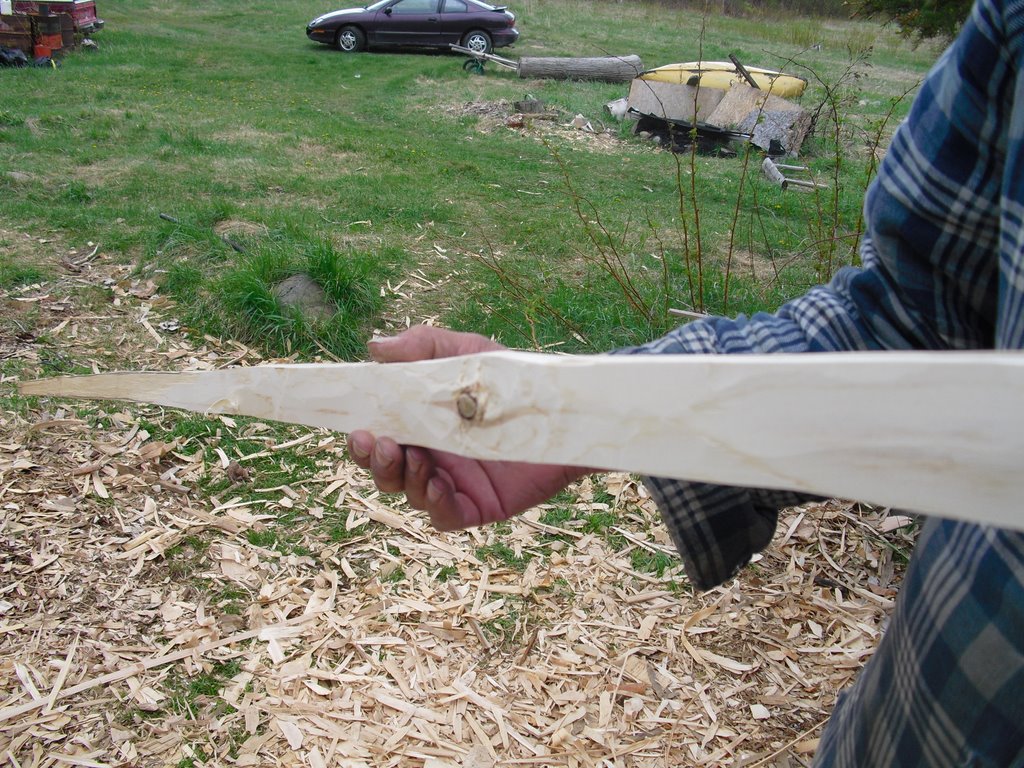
(441, 502)
(418, 470)
(453, 509)
(387, 462)
(422, 342)
(360, 446)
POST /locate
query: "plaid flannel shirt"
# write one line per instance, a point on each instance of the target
(943, 268)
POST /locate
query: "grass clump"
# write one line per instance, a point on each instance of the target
(647, 561)
(502, 554)
(14, 272)
(236, 298)
(185, 560)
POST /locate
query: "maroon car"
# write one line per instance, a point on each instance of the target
(417, 23)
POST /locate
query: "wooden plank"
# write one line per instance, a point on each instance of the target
(672, 101)
(479, 56)
(763, 115)
(885, 427)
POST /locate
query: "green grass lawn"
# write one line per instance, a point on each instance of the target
(358, 168)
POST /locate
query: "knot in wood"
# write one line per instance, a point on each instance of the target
(466, 405)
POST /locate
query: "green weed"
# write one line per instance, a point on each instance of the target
(266, 538)
(230, 600)
(504, 626)
(504, 555)
(190, 762)
(14, 274)
(239, 301)
(646, 561)
(185, 559)
(446, 573)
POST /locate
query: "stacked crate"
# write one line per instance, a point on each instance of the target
(45, 29)
(15, 29)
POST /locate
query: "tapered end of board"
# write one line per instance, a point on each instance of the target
(102, 386)
(54, 386)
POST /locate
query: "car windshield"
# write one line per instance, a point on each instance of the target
(378, 5)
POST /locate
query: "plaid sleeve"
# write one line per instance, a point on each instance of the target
(944, 686)
(943, 269)
(716, 528)
(929, 280)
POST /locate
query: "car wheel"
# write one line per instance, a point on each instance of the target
(350, 39)
(477, 41)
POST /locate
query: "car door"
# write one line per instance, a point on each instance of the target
(408, 22)
(455, 18)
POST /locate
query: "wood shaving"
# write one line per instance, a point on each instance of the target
(146, 619)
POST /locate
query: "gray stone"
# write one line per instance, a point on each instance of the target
(305, 294)
(529, 106)
(18, 176)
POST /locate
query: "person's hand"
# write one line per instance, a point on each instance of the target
(456, 491)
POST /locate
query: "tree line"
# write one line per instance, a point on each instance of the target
(916, 20)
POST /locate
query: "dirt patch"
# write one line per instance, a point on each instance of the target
(33, 125)
(43, 250)
(19, 324)
(763, 270)
(341, 161)
(583, 132)
(106, 171)
(893, 76)
(241, 227)
(247, 135)
(244, 170)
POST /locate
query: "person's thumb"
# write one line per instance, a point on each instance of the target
(424, 342)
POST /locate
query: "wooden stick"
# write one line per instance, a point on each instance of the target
(743, 72)
(888, 428)
(771, 170)
(62, 675)
(687, 313)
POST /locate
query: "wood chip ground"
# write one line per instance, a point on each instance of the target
(147, 622)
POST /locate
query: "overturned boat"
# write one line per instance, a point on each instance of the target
(722, 74)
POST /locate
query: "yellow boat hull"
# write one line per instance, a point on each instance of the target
(722, 75)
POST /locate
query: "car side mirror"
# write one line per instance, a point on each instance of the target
(387, 11)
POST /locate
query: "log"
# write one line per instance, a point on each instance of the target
(882, 427)
(771, 171)
(609, 69)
